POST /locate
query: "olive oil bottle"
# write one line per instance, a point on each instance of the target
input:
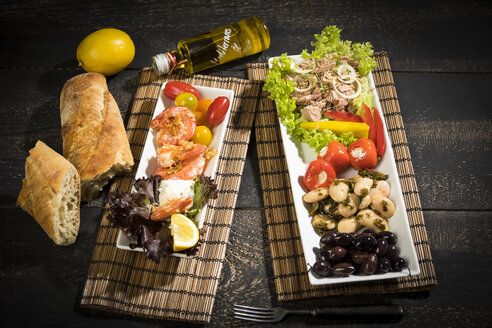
(216, 47)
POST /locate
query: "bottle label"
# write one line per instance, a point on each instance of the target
(222, 48)
(227, 45)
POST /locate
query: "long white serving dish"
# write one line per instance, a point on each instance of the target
(148, 161)
(398, 224)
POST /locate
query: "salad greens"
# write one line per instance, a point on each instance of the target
(131, 212)
(280, 89)
(205, 189)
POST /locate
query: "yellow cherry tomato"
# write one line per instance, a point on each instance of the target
(203, 105)
(186, 99)
(200, 118)
(202, 135)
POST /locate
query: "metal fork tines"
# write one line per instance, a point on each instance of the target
(263, 314)
(276, 314)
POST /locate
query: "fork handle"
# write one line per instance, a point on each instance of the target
(391, 310)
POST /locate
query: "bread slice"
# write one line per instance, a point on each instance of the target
(51, 194)
(94, 137)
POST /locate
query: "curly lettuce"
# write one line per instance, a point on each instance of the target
(329, 42)
(280, 89)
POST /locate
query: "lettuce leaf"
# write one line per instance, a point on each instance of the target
(280, 89)
(131, 211)
(205, 189)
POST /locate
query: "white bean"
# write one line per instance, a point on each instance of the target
(365, 202)
(316, 195)
(362, 186)
(381, 187)
(338, 191)
(351, 207)
(348, 225)
(323, 222)
(371, 220)
(383, 206)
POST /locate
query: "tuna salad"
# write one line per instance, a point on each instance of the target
(325, 84)
(332, 78)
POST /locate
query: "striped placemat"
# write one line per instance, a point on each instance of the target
(289, 266)
(176, 288)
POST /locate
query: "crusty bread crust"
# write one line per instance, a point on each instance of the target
(51, 194)
(94, 137)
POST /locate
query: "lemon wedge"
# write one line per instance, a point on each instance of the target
(184, 231)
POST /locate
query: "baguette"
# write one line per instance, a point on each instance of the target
(94, 137)
(51, 194)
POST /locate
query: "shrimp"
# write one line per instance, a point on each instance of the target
(169, 155)
(173, 206)
(174, 124)
(189, 169)
(192, 167)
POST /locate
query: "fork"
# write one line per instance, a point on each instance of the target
(276, 314)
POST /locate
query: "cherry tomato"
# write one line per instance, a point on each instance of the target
(186, 99)
(174, 88)
(336, 154)
(363, 154)
(319, 174)
(202, 135)
(380, 142)
(369, 120)
(200, 118)
(217, 110)
(203, 105)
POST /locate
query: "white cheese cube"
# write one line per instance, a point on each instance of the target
(173, 189)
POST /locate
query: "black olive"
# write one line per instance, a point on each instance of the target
(370, 264)
(398, 264)
(383, 265)
(358, 257)
(323, 268)
(344, 239)
(324, 252)
(337, 254)
(369, 231)
(389, 236)
(382, 247)
(330, 238)
(343, 269)
(392, 253)
(366, 243)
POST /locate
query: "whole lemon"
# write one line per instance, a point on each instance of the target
(106, 51)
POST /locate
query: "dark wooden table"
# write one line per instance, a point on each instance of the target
(440, 55)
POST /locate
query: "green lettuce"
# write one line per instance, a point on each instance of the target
(280, 89)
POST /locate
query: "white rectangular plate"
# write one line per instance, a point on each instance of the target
(398, 224)
(148, 161)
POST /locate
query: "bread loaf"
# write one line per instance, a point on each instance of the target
(94, 137)
(51, 194)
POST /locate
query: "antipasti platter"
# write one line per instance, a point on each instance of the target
(149, 160)
(342, 239)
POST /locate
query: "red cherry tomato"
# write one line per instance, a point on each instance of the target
(336, 154)
(217, 110)
(363, 154)
(380, 142)
(174, 88)
(319, 174)
(368, 119)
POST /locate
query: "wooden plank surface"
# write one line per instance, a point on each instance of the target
(419, 36)
(440, 55)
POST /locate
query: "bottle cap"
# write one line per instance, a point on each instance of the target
(163, 63)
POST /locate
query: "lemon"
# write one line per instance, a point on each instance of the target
(106, 51)
(184, 231)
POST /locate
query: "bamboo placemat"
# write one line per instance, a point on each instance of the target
(176, 288)
(289, 266)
